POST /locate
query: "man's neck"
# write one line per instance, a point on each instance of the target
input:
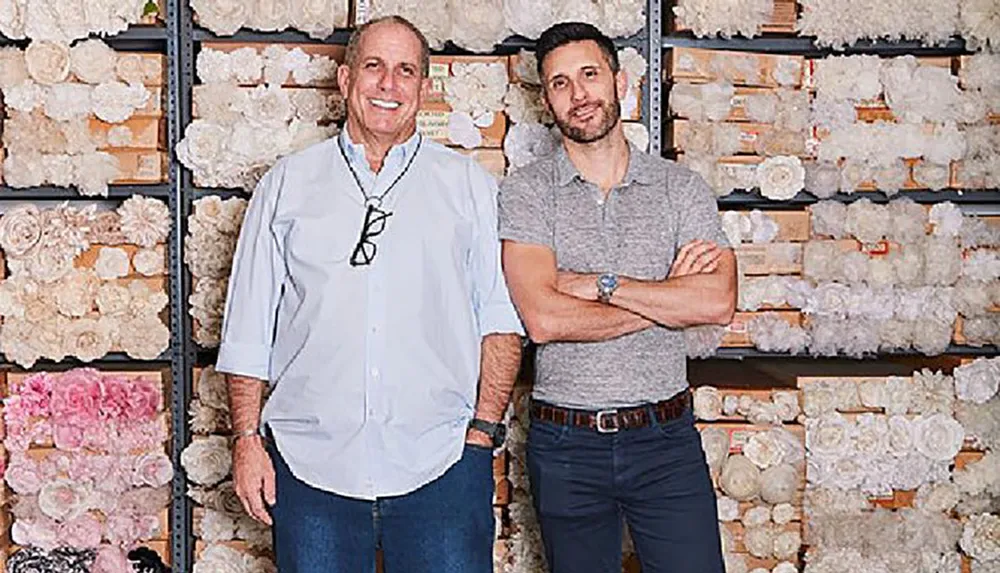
(377, 146)
(603, 162)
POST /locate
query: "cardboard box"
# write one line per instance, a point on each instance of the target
(694, 65)
(738, 332)
(147, 133)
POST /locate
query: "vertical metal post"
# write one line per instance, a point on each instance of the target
(654, 99)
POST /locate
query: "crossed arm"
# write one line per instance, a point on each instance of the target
(562, 306)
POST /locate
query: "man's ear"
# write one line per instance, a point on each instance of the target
(343, 78)
(621, 84)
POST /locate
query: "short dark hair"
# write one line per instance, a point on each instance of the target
(355, 41)
(569, 32)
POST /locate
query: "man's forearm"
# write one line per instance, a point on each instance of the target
(679, 302)
(566, 318)
(244, 402)
(499, 365)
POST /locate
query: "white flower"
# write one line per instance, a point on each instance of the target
(112, 263)
(728, 508)
(48, 62)
(978, 381)
(740, 478)
(897, 394)
(219, 558)
(708, 18)
(938, 437)
(317, 18)
(144, 337)
(830, 435)
(939, 497)
(94, 171)
(707, 403)
(207, 461)
(216, 526)
(20, 229)
(759, 541)
(763, 450)
(149, 262)
(68, 101)
(63, 499)
(787, 545)
(87, 339)
(224, 17)
(780, 178)
(787, 404)
(872, 392)
(145, 221)
(115, 102)
(779, 484)
(93, 62)
(981, 537)
(715, 444)
(268, 15)
(636, 134)
(128, 68)
(783, 513)
(463, 131)
(980, 24)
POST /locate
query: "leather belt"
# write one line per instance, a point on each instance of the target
(612, 420)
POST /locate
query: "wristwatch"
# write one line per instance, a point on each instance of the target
(495, 430)
(606, 285)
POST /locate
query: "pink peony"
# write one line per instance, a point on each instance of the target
(68, 437)
(148, 526)
(22, 475)
(120, 529)
(84, 532)
(97, 437)
(144, 400)
(41, 533)
(115, 397)
(111, 559)
(63, 499)
(76, 397)
(153, 469)
(35, 392)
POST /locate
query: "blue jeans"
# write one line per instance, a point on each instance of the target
(656, 479)
(445, 526)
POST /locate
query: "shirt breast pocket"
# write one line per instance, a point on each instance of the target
(315, 242)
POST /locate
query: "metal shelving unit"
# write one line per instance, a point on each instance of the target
(49, 193)
(954, 349)
(754, 200)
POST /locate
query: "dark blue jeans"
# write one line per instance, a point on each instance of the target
(445, 526)
(656, 479)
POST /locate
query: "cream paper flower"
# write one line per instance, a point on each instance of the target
(317, 18)
(212, 389)
(219, 558)
(977, 382)
(829, 435)
(779, 483)
(715, 444)
(707, 403)
(64, 102)
(208, 461)
(729, 18)
(144, 220)
(268, 15)
(13, 69)
(120, 136)
(980, 23)
(88, 339)
(128, 68)
(759, 541)
(740, 478)
(727, 508)
(981, 537)
(780, 178)
(462, 131)
(12, 14)
(224, 17)
(144, 338)
(787, 544)
(475, 25)
(787, 405)
(94, 171)
(636, 134)
(93, 62)
(763, 450)
(24, 97)
(216, 526)
(938, 437)
(756, 516)
(149, 262)
(115, 102)
(75, 295)
(112, 263)
(783, 513)
(48, 62)
(20, 229)
(939, 497)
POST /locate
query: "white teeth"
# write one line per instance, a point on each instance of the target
(385, 104)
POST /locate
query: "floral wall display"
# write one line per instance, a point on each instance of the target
(872, 124)
(841, 23)
(869, 439)
(88, 469)
(317, 18)
(84, 283)
(53, 92)
(213, 228)
(228, 539)
(72, 19)
(245, 119)
(476, 26)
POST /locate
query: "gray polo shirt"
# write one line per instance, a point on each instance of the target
(636, 232)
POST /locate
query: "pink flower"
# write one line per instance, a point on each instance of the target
(148, 526)
(36, 392)
(143, 399)
(84, 532)
(153, 469)
(115, 398)
(39, 533)
(97, 437)
(76, 397)
(121, 529)
(68, 437)
(111, 559)
(22, 475)
(63, 499)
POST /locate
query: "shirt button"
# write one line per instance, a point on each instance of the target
(374, 372)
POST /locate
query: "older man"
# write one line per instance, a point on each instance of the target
(610, 252)
(367, 290)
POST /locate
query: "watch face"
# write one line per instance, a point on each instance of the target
(608, 282)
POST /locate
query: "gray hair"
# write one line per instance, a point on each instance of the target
(355, 42)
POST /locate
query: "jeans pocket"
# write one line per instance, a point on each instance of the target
(681, 428)
(546, 434)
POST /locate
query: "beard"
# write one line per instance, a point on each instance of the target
(610, 113)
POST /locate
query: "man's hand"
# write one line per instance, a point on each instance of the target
(582, 286)
(478, 438)
(253, 477)
(695, 258)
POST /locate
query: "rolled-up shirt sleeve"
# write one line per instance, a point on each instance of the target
(494, 309)
(254, 287)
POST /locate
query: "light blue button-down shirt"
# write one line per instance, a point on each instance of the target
(373, 369)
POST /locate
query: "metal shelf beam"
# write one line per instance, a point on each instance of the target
(50, 193)
(753, 199)
(806, 46)
(954, 349)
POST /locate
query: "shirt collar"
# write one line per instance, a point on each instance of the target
(398, 154)
(639, 170)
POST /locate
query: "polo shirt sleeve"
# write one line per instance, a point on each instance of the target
(526, 210)
(698, 213)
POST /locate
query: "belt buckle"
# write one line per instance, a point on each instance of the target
(613, 428)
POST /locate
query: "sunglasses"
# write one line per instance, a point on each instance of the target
(364, 251)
